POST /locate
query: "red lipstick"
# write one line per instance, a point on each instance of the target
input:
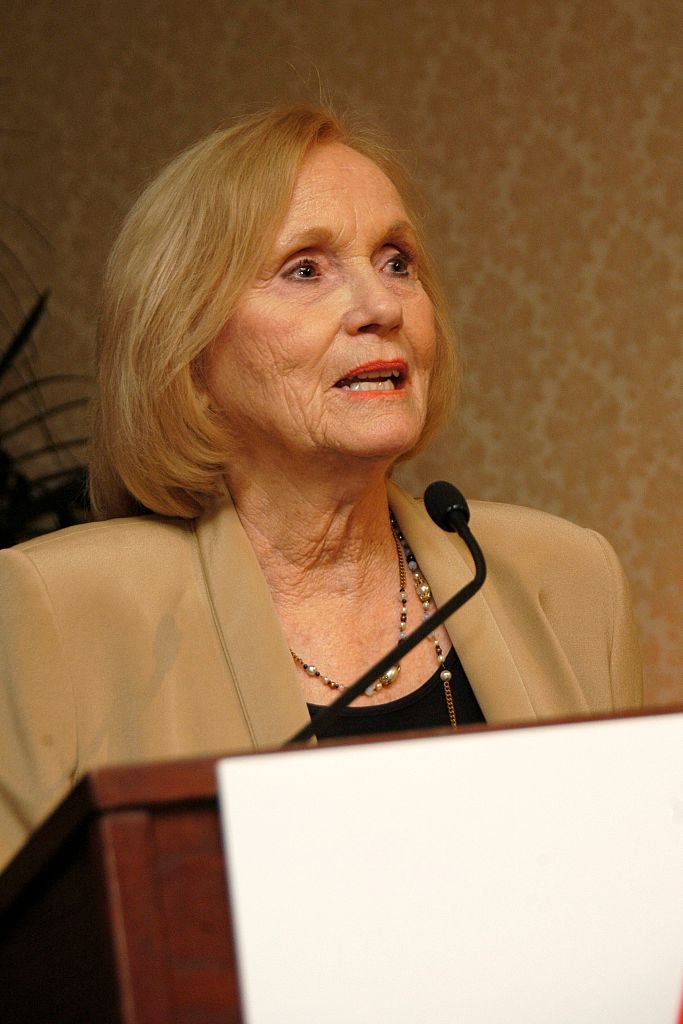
(393, 371)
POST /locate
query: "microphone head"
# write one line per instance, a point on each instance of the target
(445, 504)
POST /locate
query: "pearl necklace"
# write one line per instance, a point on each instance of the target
(424, 595)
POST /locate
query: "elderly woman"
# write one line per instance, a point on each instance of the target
(273, 342)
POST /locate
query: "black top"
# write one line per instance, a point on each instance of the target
(424, 708)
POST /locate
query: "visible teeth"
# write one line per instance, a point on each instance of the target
(369, 385)
(373, 380)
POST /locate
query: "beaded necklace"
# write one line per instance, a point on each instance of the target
(424, 595)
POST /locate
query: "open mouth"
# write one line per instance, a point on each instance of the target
(373, 380)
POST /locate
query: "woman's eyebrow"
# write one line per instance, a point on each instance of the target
(400, 229)
(306, 239)
(322, 235)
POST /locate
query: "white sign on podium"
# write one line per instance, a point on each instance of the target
(530, 875)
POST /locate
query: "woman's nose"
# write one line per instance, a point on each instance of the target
(374, 308)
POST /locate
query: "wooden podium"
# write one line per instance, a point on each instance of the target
(116, 912)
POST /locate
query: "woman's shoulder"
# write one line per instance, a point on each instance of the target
(507, 516)
(519, 522)
(114, 530)
(515, 532)
(113, 542)
(533, 534)
(523, 544)
(542, 541)
(529, 544)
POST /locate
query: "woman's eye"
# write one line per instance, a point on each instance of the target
(400, 263)
(303, 270)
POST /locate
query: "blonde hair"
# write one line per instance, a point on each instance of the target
(191, 245)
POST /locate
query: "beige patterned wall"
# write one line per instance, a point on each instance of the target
(548, 135)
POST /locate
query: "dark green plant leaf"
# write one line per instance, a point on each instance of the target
(23, 334)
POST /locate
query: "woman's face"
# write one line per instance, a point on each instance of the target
(329, 353)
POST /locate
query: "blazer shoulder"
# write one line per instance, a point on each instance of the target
(516, 520)
(82, 563)
(535, 537)
(115, 535)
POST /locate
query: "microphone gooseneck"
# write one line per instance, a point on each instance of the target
(447, 507)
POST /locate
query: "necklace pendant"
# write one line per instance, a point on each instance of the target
(390, 675)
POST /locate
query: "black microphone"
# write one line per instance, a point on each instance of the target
(447, 507)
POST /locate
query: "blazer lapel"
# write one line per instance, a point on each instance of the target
(254, 648)
(474, 631)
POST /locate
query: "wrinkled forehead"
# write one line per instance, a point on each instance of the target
(339, 190)
(338, 163)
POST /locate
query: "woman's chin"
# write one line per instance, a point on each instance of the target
(381, 447)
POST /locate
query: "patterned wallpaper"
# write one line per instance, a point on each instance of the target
(547, 135)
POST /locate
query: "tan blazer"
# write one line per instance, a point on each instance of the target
(143, 638)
